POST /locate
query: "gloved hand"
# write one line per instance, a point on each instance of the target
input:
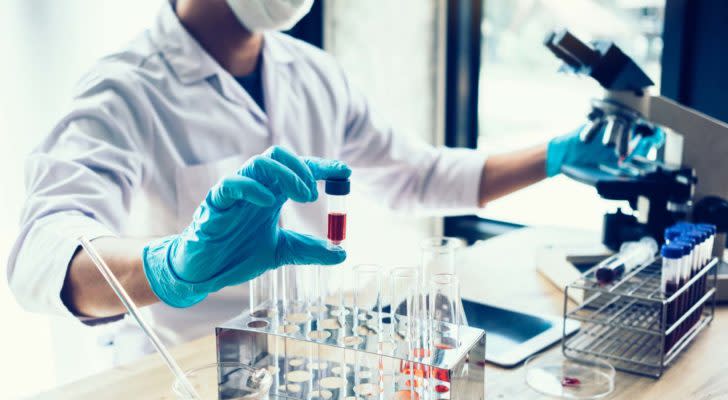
(234, 235)
(570, 150)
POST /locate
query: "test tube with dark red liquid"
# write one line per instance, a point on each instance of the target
(336, 192)
(671, 256)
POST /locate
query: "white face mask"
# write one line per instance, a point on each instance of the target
(269, 15)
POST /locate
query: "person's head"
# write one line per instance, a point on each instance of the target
(267, 15)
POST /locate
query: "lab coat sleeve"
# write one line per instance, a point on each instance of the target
(409, 175)
(79, 182)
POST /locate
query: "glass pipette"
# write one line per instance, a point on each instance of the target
(134, 312)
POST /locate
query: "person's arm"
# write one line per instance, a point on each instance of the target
(86, 293)
(506, 173)
(80, 181)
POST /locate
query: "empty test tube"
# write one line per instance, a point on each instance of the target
(405, 292)
(366, 324)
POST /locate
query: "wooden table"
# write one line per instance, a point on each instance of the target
(499, 271)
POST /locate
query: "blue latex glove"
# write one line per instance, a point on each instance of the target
(234, 235)
(570, 150)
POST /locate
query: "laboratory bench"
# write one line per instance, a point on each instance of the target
(504, 274)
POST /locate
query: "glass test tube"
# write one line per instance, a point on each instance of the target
(405, 294)
(630, 255)
(336, 192)
(366, 323)
(262, 295)
(445, 303)
(439, 255)
(671, 256)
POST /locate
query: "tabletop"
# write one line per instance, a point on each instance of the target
(500, 271)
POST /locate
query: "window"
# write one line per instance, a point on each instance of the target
(524, 101)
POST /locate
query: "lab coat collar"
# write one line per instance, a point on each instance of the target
(190, 62)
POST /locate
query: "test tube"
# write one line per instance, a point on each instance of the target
(670, 266)
(336, 192)
(444, 296)
(262, 295)
(445, 303)
(366, 323)
(439, 255)
(405, 292)
(631, 254)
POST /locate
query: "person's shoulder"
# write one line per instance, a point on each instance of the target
(123, 70)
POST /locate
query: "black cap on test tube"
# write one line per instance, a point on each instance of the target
(338, 186)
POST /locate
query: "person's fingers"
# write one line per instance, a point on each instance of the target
(277, 178)
(299, 249)
(323, 168)
(235, 188)
(295, 164)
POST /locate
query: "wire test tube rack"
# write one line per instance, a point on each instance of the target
(627, 323)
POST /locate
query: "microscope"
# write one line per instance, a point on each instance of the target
(684, 180)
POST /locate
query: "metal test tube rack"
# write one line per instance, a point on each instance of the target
(374, 362)
(627, 323)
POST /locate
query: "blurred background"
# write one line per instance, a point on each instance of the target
(405, 55)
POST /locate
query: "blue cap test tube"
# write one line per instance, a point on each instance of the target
(671, 258)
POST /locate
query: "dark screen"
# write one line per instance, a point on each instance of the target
(505, 329)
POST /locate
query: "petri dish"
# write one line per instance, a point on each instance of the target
(563, 378)
(229, 380)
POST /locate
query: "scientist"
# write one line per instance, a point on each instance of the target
(178, 153)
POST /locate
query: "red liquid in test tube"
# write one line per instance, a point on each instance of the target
(336, 192)
(337, 227)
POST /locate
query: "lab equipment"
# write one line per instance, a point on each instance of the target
(445, 304)
(563, 378)
(336, 192)
(234, 236)
(234, 381)
(631, 254)
(360, 350)
(439, 256)
(185, 387)
(663, 188)
(637, 323)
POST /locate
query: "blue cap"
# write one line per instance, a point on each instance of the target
(685, 247)
(690, 239)
(670, 251)
(337, 186)
(712, 229)
(673, 232)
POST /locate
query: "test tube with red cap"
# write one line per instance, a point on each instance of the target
(336, 192)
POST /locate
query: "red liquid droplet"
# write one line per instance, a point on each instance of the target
(568, 381)
(442, 389)
(337, 227)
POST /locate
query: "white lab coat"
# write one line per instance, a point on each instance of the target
(154, 126)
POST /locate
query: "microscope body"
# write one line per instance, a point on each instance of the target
(689, 181)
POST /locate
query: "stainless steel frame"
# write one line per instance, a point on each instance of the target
(268, 342)
(626, 323)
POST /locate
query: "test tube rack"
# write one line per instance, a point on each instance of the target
(377, 362)
(626, 323)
